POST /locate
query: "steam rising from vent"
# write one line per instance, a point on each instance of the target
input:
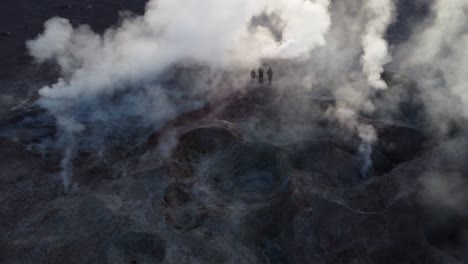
(125, 58)
(368, 137)
(348, 118)
(376, 53)
(68, 129)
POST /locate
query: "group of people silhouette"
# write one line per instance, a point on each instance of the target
(254, 76)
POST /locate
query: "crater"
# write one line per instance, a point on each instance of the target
(251, 170)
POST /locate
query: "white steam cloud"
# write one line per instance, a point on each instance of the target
(221, 34)
(436, 57)
(381, 14)
(212, 32)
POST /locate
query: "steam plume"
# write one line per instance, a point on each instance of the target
(212, 32)
(68, 128)
(348, 118)
(142, 47)
(436, 57)
(376, 53)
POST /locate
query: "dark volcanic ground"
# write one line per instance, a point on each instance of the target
(224, 183)
(235, 188)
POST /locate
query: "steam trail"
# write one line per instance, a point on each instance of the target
(376, 54)
(68, 129)
(368, 137)
(67, 164)
(366, 133)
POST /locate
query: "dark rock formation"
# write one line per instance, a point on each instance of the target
(229, 189)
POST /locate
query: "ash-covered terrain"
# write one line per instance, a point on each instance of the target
(132, 131)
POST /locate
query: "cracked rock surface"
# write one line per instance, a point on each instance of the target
(227, 193)
(222, 183)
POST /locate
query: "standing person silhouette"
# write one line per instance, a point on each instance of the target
(260, 74)
(253, 74)
(270, 75)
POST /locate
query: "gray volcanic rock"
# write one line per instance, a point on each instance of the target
(249, 172)
(336, 234)
(222, 190)
(137, 248)
(258, 175)
(209, 190)
(316, 157)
